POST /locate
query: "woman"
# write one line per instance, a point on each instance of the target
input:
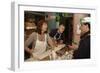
(38, 39)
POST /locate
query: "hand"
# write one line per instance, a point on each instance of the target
(61, 41)
(30, 51)
(73, 46)
(55, 43)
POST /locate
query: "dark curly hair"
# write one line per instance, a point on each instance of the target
(87, 24)
(39, 26)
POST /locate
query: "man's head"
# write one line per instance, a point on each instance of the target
(85, 25)
(61, 28)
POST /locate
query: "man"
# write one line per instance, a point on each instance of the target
(58, 37)
(57, 34)
(83, 51)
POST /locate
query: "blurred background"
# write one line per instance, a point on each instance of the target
(70, 20)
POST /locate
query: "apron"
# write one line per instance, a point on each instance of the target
(56, 37)
(40, 46)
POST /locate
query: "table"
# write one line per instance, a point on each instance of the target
(47, 53)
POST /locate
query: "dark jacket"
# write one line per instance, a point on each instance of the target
(83, 51)
(54, 32)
